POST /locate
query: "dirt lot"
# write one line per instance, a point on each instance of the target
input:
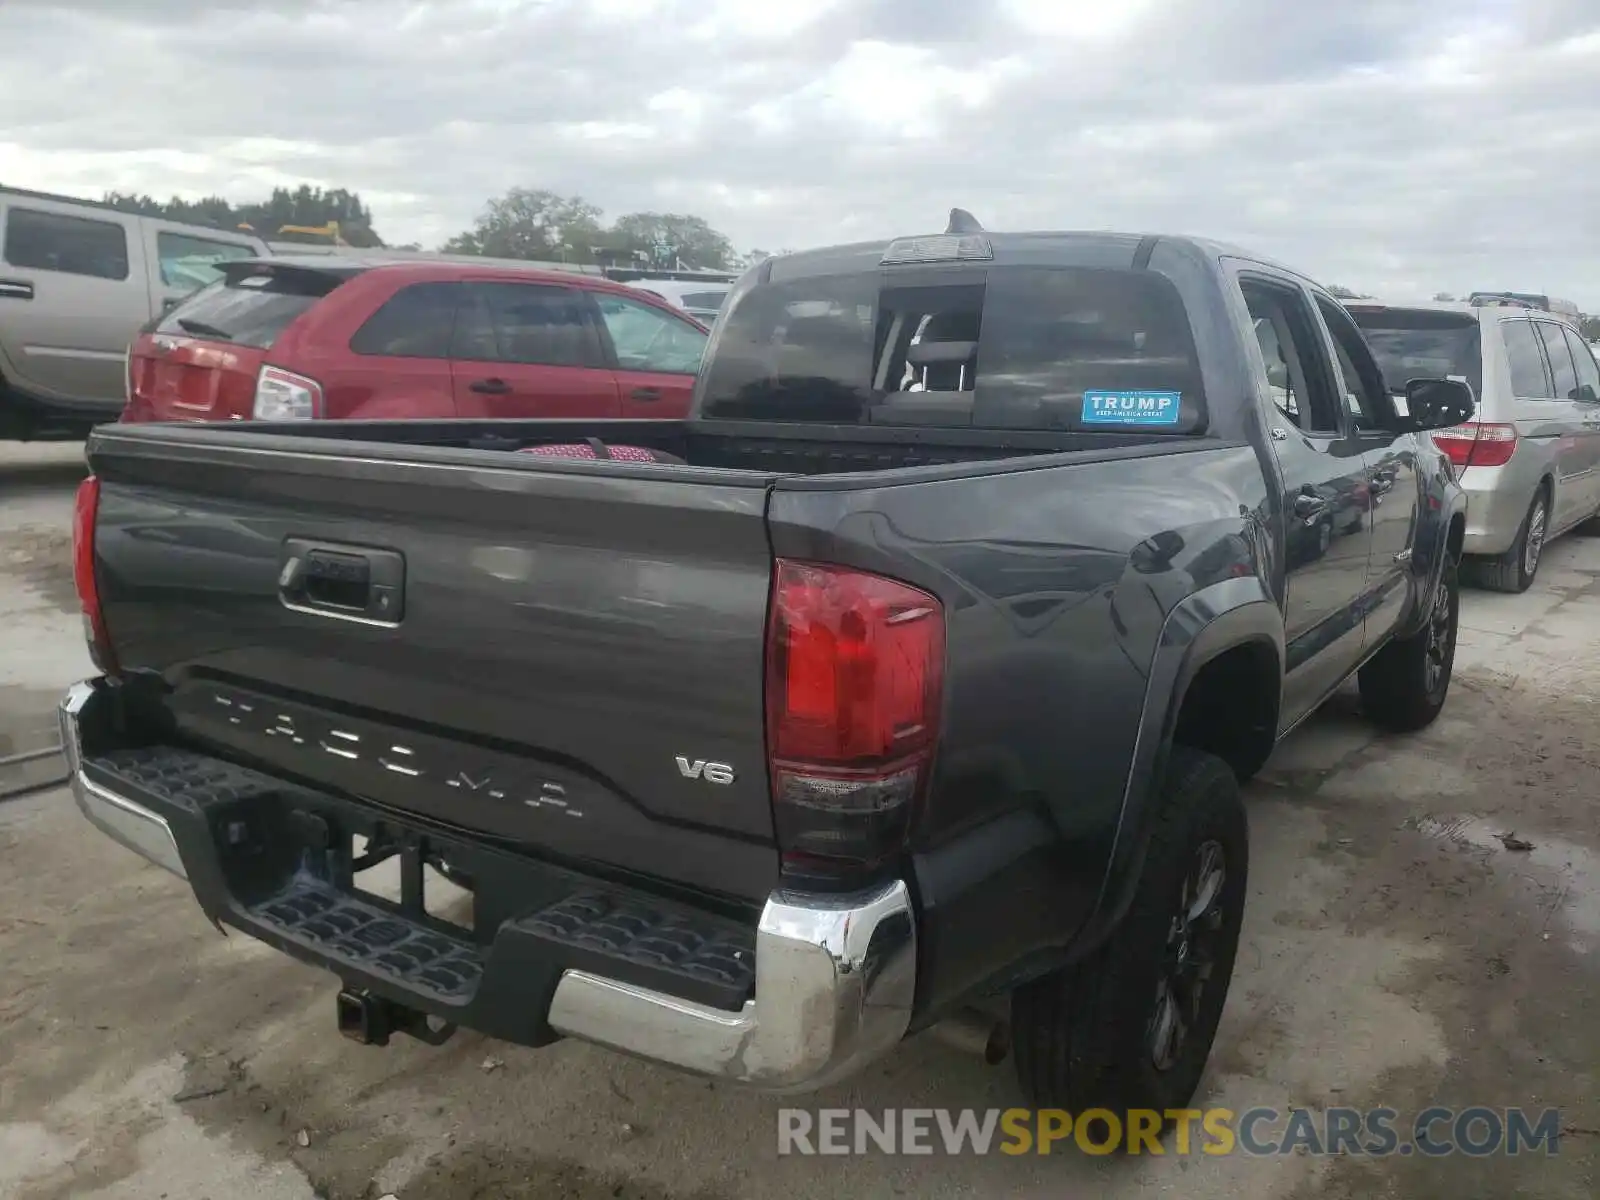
(1395, 953)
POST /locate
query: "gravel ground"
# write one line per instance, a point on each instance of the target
(1395, 953)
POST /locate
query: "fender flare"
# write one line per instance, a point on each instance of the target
(1199, 629)
(1435, 565)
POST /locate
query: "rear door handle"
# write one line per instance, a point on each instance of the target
(645, 393)
(16, 289)
(349, 583)
(489, 387)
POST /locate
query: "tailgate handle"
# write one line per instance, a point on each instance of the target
(16, 289)
(350, 583)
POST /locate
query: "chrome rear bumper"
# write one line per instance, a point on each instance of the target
(835, 976)
(834, 988)
(119, 818)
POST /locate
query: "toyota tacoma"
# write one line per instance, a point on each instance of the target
(908, 683)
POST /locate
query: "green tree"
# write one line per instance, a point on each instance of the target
(1443, 298)
(532, 223)
(535, 223)
(1590, 327)
(305, 205)
(1344, 293)
(670, 238)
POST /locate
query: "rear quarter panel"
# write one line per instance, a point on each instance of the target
(1057, 582)
(363, 386)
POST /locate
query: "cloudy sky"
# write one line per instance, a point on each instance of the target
(1396, 146)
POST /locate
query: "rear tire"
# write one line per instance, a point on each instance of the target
(1405, 684)
(1514, 570)
(1098, 1034)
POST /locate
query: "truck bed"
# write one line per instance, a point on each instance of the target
(571, 643)
(767, 448)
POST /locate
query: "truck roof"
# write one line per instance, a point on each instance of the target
(1108, 248)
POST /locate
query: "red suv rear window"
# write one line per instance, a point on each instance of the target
(249, 308)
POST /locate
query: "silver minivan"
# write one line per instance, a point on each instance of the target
(77, 281)
(1530, 458)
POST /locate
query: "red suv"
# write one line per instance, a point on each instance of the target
(323, 337)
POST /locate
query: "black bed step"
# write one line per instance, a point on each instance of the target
(350, 930)
(685, 954)
(565, 919)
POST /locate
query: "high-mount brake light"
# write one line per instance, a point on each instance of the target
(85, 512)
(964, 240)
(854, 688)
(938, 247)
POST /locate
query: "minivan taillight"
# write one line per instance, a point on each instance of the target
(854, 687)
(1477, 443)
(85, 510)
(284, 396)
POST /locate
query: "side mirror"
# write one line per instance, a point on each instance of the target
(1438, 403)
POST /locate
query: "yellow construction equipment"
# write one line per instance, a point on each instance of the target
(315, 234)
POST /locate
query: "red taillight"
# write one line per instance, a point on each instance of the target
(855, 675)
(84, 511)
(1477, 444)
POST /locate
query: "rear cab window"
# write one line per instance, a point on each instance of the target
(998, 347)
(251, 306)
(1421, 343)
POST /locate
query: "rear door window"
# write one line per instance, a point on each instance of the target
(47, 241)
(251, 309)
(1528, 376)
(415, 322)
(647, 339)
(1588, 371)
(531, 324)
(1035, 348)
(1563, 374)
(1292, 353)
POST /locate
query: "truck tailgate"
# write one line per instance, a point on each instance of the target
(568, 661)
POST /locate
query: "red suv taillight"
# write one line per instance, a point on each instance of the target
(1477, 444)
(85, 509)
(855, 681)
(285, 396)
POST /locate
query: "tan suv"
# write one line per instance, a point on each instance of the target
(77, 281)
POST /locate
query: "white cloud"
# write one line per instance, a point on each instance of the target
(1400, 146)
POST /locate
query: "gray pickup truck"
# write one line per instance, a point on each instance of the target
(908, 684)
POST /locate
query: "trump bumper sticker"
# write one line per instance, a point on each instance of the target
(1101, 407)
